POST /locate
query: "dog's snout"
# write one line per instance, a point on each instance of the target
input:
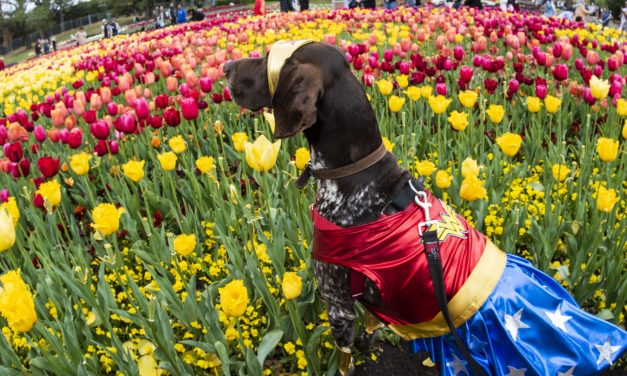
(228, 67)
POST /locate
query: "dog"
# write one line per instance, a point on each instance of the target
(312, 90)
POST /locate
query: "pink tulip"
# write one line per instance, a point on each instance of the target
(114, 147)
(477, 61)
(206, 84)
(465, 74)
(388, 55)
(112, 108)
(171, 83)
(125, 124)
(587, 96)
(95, 103)
(578, 63)
(458, 53)
(40, 133)
(99, 129)
(189, 108)
(612, 64)
(541, 91)
(440, 88)
(597, 70)
(557, 49)
(75, 138)
(404, 67)
(560, 72)
(616, 88)
(105, 94)
(141, 108)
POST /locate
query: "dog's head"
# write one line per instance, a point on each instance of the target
(311, 72)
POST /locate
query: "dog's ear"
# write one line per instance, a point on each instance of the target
(299, 88)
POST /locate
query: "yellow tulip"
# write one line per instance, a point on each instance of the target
(301, 158)
(167, 160)
(234, 298)
(184, 244)
(534, 104)
(458, 120)
(599, 88)
(238, 139)
(425, 168)
(396, 103)
(205, 164)
(552, 104)
(509, 143)
(624, 132)
(470, 167)
(426, 91)
(413, 93)
(472, 189)
(496, 113)
(607, 149)
(7, 230)
(439, 103)
(467, 98)
(106, 218)
(12, 209)
(51, 193)
(80, 163)
(560, 172)
(292, 285)
(621, 107)
(177, 144)
(134, 170)
(385, 87)
(269, 116)
(262, 154)
(606, 199)
(443, 179)
(388, 144)
(147, 366)
(402, 81)
(16, 302)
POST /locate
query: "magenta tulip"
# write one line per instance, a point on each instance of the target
(579, 63)
(440, 88)
(587, 96)
(560, 73)
(597, 70)
(75, 138)
(206, 85)
(89, 116)
(541, 91)
(114, 147)
(403, 67)
(477, 61)
(101, 148)
(99, 129)
(112, 108)
(388, 55)
(125, 124)
(189, 108)
(465, 74)
(40, 133)
(458, 53)
(142, 110)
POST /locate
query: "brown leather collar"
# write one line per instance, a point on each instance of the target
(344, 171)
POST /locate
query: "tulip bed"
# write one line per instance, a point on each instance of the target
(143, 231)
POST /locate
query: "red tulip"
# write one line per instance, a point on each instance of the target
(373, 61)
(155, 121)
(13, 152)
(101, 148)
(227, 96)
(75, 138)
(48, 166)
(490, 85)
(388, 55)
(189, 108)
(560, 72)
(161, 101)
(616, 88)
(465, 74)
(89, 116)
(368, 79)
(216, 98)
(172, 117)
(205, 85)
(4, 195)
(142, 110)
(20, 169)
(99, 129)
(417, 78)
(358, 63)
(404, 67)
(353, 49)
(40, 133)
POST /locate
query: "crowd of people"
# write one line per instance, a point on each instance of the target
(44, 46)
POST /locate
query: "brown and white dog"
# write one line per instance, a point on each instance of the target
(318, 94)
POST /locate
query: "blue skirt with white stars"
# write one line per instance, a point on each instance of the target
(530, 325)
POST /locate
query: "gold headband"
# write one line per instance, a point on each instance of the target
(280, 52)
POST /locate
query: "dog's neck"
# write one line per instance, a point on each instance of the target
(342, 136)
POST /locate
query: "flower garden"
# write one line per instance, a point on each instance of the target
(148, 225)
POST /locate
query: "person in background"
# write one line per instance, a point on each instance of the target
(81, 36)
(606, 17)
(197, 15)
(159, 18)
(181, 15)
(46, 47)
(410, 3)
(581, 12)
(260, 8)
(474, 4)
(172, 11)
(105, 29)
(623, 18)
(389, 4)
(53, 42)
(38, 47)
(114, 28)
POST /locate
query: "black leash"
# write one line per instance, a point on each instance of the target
(432, 249)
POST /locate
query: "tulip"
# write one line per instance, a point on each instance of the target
(470, 168)
(161, 101)
(113, 146)
(134, 170)
(125, 124)
(16, 302)
(48, 166)
(13, 152)
(171, 83)
(425, 168)
(588, 97)
(465, 74)
(560, 73)
(155, 121)
(11, 207)
(512, 86)
(291, 285)
(472, 189)
(233, 298)
(40, 133)
(443, 179)
(440, 88)
(261, 155)
(142, 110)
(50, 193)
(560, 172)
(607, 149)
(606, 199)
(177, 144)
(4, 195)
(509, 143)
(95, 103)
(167, 160)
(624, 131)
(216, 98)
(541, 91)
(552, 104)
(106, 219)
(58, 117)
(534, 104)
(302, 157)
(79, 163)
(7, 230)
(467, 98)
(172, 117)
(438, 104)
(385, 87)
(458, 53)
(99, 129)
(239, 138)
(189, 108)
(599, 88)
(458, 120)
(184, 244)
(396, 103)
(75, 138)
(205, 164)
(616, 89)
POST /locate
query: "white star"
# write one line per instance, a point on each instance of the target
(567, 373)
(513, 323)
(516, 372)
(605, 351)
(558, 319)
(458, 365)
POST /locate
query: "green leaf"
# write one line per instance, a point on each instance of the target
(224, 357)
(537, 186)
(268, 343)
